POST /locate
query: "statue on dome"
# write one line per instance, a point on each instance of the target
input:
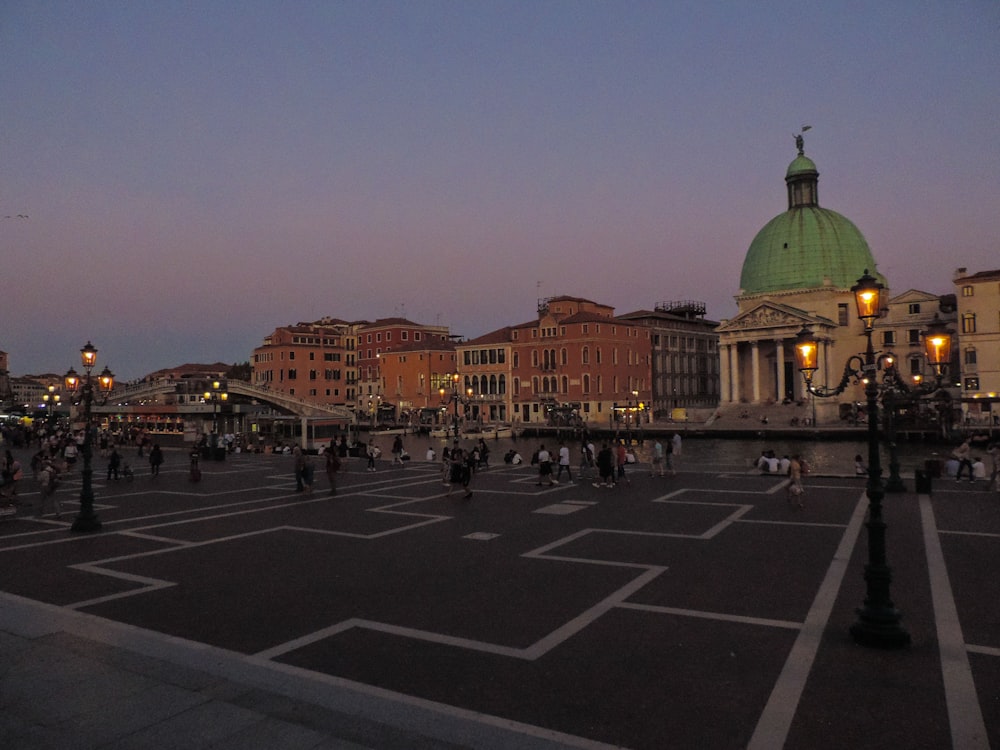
(800, 143)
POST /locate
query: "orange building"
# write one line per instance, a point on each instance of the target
(376, 339)
(412, 375)
(313, 361)
(576, 364)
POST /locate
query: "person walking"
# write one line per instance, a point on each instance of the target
(657, 467)
(622, 460)
(332, 467)
(397, 451)
(308, 472)
(48, 479)
(586, 458)
(794, 490)
(544, 467)
(459, 471)
(114, 463)
(564, 462)
(373, 452)
(155, 460)
(300, 465)
(605, 467)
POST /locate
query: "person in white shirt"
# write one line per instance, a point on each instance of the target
(564, 462)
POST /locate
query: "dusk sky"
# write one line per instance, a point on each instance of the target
(196, 174)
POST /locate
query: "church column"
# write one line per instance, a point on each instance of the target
(779, 358)
(755, 366)
(734, 370)
(724, 395)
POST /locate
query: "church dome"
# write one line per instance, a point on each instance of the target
(807, 246)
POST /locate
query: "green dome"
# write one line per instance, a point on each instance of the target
(802, 247)
(807, 246)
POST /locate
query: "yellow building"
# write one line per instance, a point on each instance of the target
(978, 297)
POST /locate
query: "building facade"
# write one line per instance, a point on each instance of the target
(313, 361)
(685, 357)
(978, 298)
(412, 376)
(374, 339)
(579, 364)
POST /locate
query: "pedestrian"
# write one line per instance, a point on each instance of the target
(564, 462)
(622, 459)
(48, 478)
(397, 450)
(459, 472)
(372, 452)
(860, 470)
(155, 459)
(332, 467)
(484, 454)
(308, 472)
(12, 475)
(605, 466)
(431, 456)
(544, 467)
(70, 453)
(668, 461)
(658, 455)
(114, 463)
(676, 441)
(961, 454)
(300, 464)
(994, 453)
(794, 489)
(586, 458)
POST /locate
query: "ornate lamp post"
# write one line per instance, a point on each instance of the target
(453, 397)
(878, 621)
(87, 519)
(51, 400)
(216, 396)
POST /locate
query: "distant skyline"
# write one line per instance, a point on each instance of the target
(195, 175)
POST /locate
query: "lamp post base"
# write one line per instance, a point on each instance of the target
(894, 484)
(879, 630)
(86, 523)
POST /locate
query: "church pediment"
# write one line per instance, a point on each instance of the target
(767, 316)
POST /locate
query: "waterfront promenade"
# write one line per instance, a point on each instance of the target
(692, 611)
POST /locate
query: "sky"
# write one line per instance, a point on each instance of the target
(197, 174)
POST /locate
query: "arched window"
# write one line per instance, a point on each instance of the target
(493, 384)
(564, 357)
(502, 385)
(586, 383)
(517, 387)
(565, 384)
(585, 355)
(534, 358)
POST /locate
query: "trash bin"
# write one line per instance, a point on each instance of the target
(923, 482)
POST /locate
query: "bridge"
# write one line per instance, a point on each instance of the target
(155, 390)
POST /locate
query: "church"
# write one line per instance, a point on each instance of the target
(798, 272)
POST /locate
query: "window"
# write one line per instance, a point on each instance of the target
(914, 308)
(888, 338)
(586, 355)
(968, 291)
(291, 355)
(842, 315)
(968, 322)
(972, 383)
(913, 335)
(970, 356)
(292, 374)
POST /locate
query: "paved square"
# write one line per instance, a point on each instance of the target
(694, 611)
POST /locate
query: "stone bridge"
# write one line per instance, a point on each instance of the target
(156, 390)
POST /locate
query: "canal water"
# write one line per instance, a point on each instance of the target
(701, 453)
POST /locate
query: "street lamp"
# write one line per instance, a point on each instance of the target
(87, 519)
(878, 621)
(216, 396)
(453, 397)
(51, 400)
